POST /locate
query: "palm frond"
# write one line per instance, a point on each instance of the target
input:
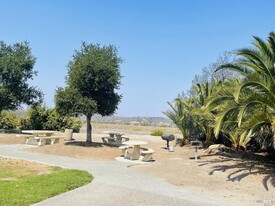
(242, 70)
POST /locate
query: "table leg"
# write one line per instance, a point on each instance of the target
(41, 142)
(118, 139)
(136, 153)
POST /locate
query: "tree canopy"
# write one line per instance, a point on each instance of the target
(16, 68)
(92, 83)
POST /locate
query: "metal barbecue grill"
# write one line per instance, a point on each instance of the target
(168, 137)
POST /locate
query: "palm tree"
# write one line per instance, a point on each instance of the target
(180, 115)
(255, 96)
(202, 116)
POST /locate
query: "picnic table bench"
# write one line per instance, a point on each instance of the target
(26, 136)
(124, 152)
(148, 153)
(42, 140)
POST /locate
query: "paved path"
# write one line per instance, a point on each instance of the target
(113, 184)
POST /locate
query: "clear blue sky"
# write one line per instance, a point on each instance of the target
(164, 42)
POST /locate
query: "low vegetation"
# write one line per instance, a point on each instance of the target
(39, 118)
(25, 183)
(157, 132)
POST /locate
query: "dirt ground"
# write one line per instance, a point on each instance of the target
(220, 175)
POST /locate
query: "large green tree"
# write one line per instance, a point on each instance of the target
(16, 69)
(92, 83)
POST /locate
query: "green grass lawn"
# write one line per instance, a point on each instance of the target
(26, 187)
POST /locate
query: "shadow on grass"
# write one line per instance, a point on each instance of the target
(88, 144)
(241, 165)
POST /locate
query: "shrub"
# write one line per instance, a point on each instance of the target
(41, 118)
(38, 117)
(58, 122)
(24, 123)
(8, 120)
(157, 132)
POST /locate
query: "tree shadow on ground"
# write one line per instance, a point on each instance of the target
(242, 165)
(87, 144)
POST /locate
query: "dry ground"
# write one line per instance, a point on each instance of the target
(220, 176)
(21, 167)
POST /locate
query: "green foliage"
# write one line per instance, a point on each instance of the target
(30, 189)
(157, 132)
(240, 108)
(8, 120)
(24, 123)
(58, 122)
(39, 118)
(16, 68)
(92, 81)
(49, 119)
(70, 102)
(181, 116)
(253, 106)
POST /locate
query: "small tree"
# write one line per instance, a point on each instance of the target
(92, 81)
(16, 68)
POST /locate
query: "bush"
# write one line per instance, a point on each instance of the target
(41, 118)
(38, 117)
(157, 132)
(58, 122)
(24, 123)
(8, 120)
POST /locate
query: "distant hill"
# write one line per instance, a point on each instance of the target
(134, 120)
(156, 121)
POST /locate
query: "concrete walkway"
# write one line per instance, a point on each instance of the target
(113, 184)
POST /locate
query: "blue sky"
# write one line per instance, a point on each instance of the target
(164, 43)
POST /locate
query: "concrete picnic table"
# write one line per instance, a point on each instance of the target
(39, 132)
(115, 134)
(114, 138)
(43, 136)
(136, 144)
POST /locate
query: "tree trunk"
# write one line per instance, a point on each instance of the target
(89, 129)
(184, 139)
